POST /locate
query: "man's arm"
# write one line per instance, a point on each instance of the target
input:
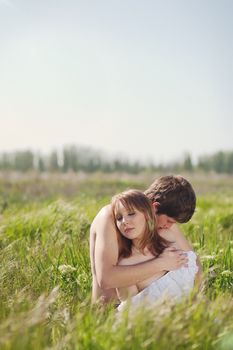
(102, 296)
(108, 273)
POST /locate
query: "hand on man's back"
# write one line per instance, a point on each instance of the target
(174, 259)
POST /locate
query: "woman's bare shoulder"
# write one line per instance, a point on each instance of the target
(135, 259)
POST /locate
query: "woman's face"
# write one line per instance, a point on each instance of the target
(131, 224)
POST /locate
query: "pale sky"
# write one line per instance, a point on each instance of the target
(150, 79)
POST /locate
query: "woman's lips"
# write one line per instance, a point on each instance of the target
(128, 230)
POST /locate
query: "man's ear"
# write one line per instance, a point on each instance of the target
(156, 206)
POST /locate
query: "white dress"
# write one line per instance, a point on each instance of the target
(174, 285)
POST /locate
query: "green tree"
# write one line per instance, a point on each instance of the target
(53, 161)
(187, 163)
(24, 161)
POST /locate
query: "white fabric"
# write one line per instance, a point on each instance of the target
(175, 284)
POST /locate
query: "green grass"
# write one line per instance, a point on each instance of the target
(45, 278)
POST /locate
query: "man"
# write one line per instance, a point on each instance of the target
(174, 200)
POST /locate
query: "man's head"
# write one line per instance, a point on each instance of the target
(173, 198)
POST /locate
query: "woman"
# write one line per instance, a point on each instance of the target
(139, 241)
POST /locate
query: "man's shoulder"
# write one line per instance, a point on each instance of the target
(172, 233)
(104, 212)
(104, 216)
(167, 234)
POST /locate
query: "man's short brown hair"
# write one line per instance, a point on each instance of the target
(175, 196)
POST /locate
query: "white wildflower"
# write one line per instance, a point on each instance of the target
(66, 315)
(208, 257)
(64, 239)
(226, 273)
(66, 269)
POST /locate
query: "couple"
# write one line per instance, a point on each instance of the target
(131, 257)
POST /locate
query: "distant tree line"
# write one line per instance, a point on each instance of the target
(73, 158)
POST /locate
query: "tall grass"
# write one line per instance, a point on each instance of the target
(45, 278)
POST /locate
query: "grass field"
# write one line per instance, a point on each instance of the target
(45, 278)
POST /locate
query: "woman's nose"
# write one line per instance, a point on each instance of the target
(124, 220)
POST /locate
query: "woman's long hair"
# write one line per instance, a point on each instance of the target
(131, 200)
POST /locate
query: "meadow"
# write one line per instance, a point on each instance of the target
(45, 277)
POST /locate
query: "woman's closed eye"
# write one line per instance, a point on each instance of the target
(120, 217)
